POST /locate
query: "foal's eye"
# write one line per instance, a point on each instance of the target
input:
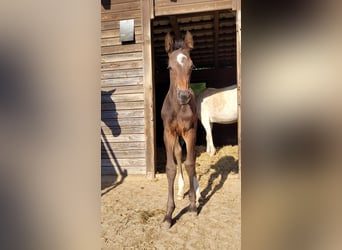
(168, 67)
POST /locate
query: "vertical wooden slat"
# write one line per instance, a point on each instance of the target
(216, 37)
(147, 11)
(234, 4)
(238, 72)
(151, 9)
(175, 27)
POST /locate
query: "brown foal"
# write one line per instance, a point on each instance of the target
(179, 119)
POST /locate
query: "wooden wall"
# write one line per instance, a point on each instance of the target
(167, 7)
(122, 91)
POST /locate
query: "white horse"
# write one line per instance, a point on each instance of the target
(216, 106)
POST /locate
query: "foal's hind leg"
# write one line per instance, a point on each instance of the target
(210, 144)
(208, 126)
(178, 156)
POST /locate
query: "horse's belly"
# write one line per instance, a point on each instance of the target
(220, 107)
(224, 119)
(224, 114)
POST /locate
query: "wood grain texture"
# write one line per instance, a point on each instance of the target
(166, 7)
(115, 24)
(121, 49)
(116, 32)
(124, 154)
(122, 91)
(126, 146)
(150, 157)
(122, 81)
(134, 64)
(123, 106)
(123, 130)
(123, 122)
(238, 75)
(113, 170)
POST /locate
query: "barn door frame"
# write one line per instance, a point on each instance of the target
(237, 8)
(147, 9)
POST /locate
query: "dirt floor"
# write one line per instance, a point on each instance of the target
(133, 210)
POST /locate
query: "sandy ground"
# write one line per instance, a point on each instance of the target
(133, 210)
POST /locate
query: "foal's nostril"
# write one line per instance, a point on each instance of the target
(184, 96)
(184, 93)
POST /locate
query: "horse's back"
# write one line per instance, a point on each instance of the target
(218, 105)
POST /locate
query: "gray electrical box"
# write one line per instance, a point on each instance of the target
(127, 30)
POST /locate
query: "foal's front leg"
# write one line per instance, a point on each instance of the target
(169, 141)
(190, 166)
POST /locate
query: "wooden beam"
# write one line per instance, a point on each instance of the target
(166, 7)
(216, 37)
(152, 9)
(149, 121)
(195, 24)
(229, 12)
(202, 33)
(238, 75)
(175, 27)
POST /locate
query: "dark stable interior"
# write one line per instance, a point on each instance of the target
(214, 56)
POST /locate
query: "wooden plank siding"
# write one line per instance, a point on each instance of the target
(167, 7)
(123, 143)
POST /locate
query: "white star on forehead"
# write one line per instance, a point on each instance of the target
(181, 58)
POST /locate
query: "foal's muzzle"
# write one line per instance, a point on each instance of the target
(183, 96)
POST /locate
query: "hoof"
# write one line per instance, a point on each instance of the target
(193, 211)
(200, 201)
(193, 214)
(166, 223)
(212, 153)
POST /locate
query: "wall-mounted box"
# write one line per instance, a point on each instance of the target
(127, 30)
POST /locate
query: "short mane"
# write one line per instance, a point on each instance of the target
(179, 44)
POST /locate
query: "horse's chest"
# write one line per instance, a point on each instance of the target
(182, 125)
(178, 120)
(184, 120)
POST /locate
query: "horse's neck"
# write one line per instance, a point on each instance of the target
(172, 91)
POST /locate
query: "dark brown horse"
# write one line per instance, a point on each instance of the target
(179, 119)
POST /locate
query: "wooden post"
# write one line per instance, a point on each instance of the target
(175, 27)
(216, 38)
(238, 76)
(147, 14)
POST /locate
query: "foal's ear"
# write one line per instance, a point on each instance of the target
(189, 42)
(168, 43)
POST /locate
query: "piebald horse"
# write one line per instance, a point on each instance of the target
(216, 106)
(179, 116)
